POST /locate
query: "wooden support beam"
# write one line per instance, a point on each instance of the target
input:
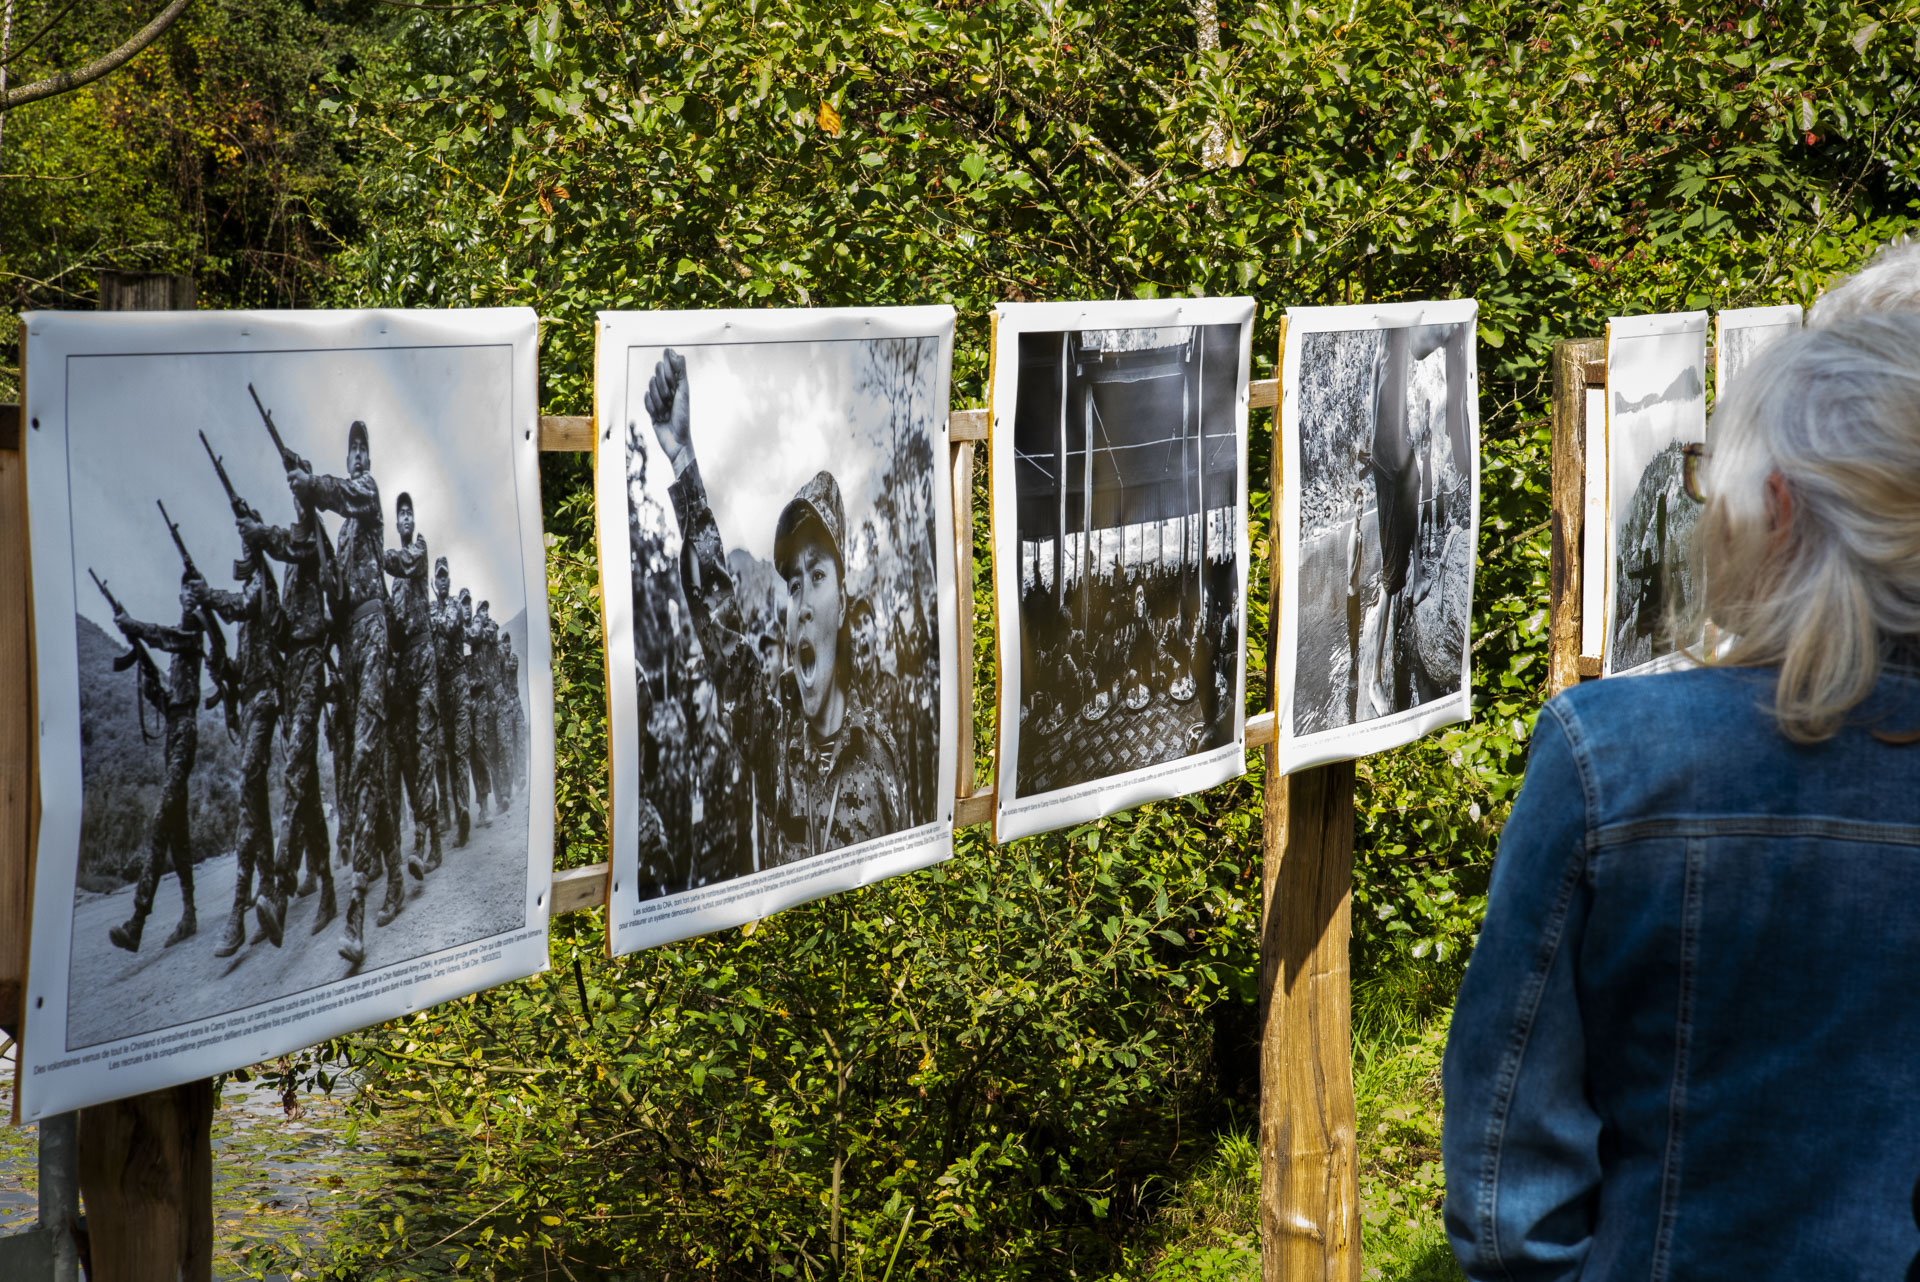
(1309, 1164)
(16, 725)
(566, 433)
(1574, 361)
(146, 1173)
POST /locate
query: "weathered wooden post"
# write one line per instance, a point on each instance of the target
(146, 1163)
(1574, 360)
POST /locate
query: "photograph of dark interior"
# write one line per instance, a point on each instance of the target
(1127, 476)
(1385, 566)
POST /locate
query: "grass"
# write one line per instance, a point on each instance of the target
(1208, 1228)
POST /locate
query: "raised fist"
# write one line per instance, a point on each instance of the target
(666, 402)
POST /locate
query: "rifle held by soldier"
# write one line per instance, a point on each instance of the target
(218, 665)
(148, 688)
(242, 510)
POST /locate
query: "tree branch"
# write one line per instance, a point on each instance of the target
(67, 81)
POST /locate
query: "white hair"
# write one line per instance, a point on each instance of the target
(1821, 594)
(1890, 282)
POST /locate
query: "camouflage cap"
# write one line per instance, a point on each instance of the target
(357, 431)
(439, 565)
(817, 501)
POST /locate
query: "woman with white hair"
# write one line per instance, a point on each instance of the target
(1688, 1042)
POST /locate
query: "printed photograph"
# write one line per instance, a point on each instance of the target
(1120, 546)
(1656, 407)
(1127, 469)
(783, 528)
(300, 585)
(1742, 333)
(1386, 433)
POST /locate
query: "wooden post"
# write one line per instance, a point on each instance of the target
(16, 726)
(1309, 1155)
(146, 1172)
(1309, 1164)
(146, 1163)
(1571, 358)
(145, 292)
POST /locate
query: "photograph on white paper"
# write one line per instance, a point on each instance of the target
(777, 560)
(1742, 333)
(1120, 549)
(291, 635)
(1656, 408)
(1379, 437)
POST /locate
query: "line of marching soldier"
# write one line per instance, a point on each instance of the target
(418, 689)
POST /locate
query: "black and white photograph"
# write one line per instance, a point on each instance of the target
(291, 632)
(1656, 408)
(1742, 333)
(1120, 549)
(1379, 431)
(789, 726)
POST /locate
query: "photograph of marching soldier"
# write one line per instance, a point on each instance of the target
(788, 603)
(1379, 430)
(1119, 493)
(257, 826)
(1656, 414)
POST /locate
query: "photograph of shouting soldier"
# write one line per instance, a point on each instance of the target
(787, 738)
(279, 754)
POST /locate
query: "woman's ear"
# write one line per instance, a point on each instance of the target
(1779, 510)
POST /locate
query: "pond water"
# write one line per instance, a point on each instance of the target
(277, 1180)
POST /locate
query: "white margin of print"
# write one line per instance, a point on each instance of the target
(1782, 316)
(52, 1083)
(1343, 743)
(672, 918)
(1016, 816)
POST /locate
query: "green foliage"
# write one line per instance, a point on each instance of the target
(203, 155)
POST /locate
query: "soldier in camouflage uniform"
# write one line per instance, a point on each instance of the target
(483, 641)
(171, 842)
(415, 702)
(479, 717)
(832, 779)
(305, 640)
(365, 656)
(256, 608)
(514, 716)
(456, 730)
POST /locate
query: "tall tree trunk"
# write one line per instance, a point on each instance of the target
(1206, 37)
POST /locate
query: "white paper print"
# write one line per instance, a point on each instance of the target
(225, 756)
(1120, 553)
(776, 537)
(1656, 407)
(1378, 519)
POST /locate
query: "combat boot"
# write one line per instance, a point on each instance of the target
(355, 948)
(272, 920)
(433, 852)
(127, 934)
(308, 884)
(465, 826)
(327, 908)
(186, 928)
(236, 932)
(393, 905)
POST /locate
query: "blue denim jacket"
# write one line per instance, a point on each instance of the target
(1688, 1043)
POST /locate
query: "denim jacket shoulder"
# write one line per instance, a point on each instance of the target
(1697, 933)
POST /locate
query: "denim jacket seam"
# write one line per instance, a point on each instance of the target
(1529, 1007)
(1690, 917)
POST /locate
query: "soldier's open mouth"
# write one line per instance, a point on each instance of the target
(804, 657)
